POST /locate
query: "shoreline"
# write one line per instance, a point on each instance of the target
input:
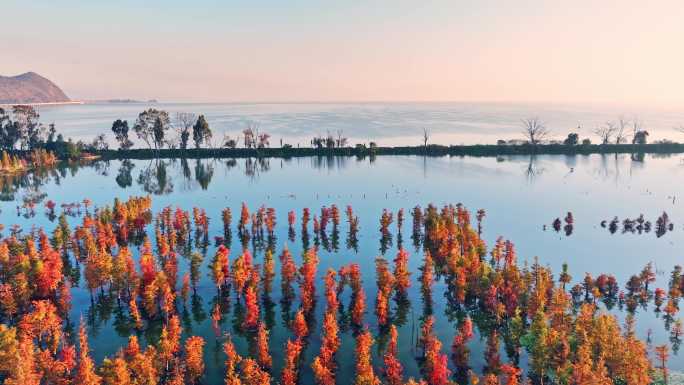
(72, 102)
(491, 150)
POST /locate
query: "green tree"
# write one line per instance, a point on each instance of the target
(150, 127)
(120, 130)
(30, 131)
(536, 343)
(640, 137)
(9, 133)
(201, 131)
(572, 139)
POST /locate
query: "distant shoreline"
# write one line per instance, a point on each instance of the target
(42, 104)
(490, 150)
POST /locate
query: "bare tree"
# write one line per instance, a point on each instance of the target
(606, 131)
(183, 125)
(426, 136)
(250, 133)
(620, 133)
(341, 141)
(534, 130)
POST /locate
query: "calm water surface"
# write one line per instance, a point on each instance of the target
(385, 123)
(520, 196)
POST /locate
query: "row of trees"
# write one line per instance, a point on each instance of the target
(21, 129)
(567, 337)
(152, 126)
(535, 132)
(329, 141)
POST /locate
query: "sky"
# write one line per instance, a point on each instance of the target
(617, 52)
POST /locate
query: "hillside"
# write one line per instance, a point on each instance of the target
(29, 88)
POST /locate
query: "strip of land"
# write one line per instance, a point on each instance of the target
(430, 150)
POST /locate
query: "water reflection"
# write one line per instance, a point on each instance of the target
(205, 304)
(124, 178)
(154, 178)
(157, 176)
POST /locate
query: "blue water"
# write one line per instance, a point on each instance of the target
(520, 194)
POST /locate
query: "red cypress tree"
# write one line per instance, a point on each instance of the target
(251, 309)
(194, 358)
(293, 350)
(364, 367)
(85, 370)
(308, 276)
(393, 368)
(299, 326)
(263, 355)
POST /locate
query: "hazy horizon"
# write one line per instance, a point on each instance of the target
(615, 52)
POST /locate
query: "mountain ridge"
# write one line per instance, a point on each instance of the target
(30, 88)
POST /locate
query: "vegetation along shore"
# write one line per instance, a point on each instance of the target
(188, 135)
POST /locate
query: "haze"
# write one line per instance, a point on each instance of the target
(623, 52)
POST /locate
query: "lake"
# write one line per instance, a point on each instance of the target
(522, 196)
(388, 124)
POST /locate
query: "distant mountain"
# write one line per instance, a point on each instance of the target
(29, 88)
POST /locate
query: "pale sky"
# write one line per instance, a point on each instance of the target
(620, 52)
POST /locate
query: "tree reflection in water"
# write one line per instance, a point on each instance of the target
(154, 179)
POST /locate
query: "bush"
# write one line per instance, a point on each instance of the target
(571, 140)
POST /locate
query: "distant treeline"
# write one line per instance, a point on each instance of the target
(430, 150)
(165, 137)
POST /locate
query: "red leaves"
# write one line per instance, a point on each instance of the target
(194, 358)
(299, 326)
(307, 285)
(42, 324)
(459, 347)
(219, 266)
(436, 366)
(364, 366)
(393, 368)
(290, 372)
(511, 373)
(291, 219)
(251, 309)
(358, 307)
(402, 276)
(242, 268)
(135, 314)
(385, 222)
(381, 307)
(589, 346)
(263, 355)
(49, 274)
(85, 370)
(324, 364)
(169, 341)
(385, 282)
(426, 278)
